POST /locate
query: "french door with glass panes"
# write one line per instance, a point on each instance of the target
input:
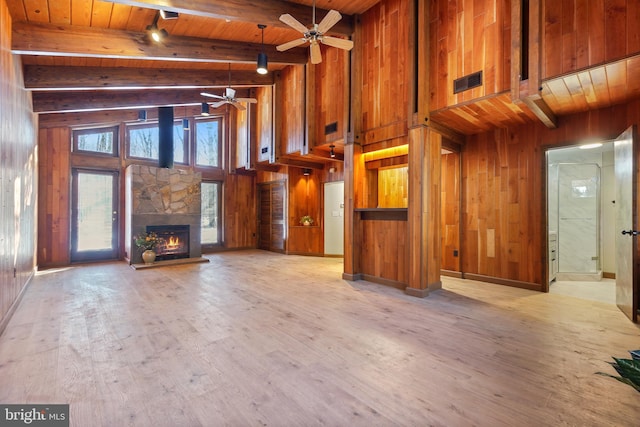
(94, 215)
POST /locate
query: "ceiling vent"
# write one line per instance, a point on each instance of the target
(467, 82)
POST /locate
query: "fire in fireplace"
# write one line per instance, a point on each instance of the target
(176, 241)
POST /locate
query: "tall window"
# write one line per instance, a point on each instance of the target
(96, 141)
(210, 213)
(208, 136)
(143, 141)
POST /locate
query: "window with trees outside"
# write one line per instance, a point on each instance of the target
(208, 136)
(96, 141)
(143, 142)
(210, 213)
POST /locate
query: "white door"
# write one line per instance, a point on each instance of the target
(334, 218)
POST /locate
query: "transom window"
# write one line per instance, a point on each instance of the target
(96, 141)
(143, 141)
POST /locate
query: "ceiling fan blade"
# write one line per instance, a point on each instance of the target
(329, 21)
(230, 93)
(218, 104)
(293, 23)
(239, 106)
(337, 42)
(289, 45)
(316, 55)
(249, 100)
(210, 95)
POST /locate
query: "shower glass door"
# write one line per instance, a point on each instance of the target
(578, 218)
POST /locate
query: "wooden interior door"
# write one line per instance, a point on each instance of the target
(626, 225)
(271, 222)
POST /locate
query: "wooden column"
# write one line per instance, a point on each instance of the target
(424, 211)
(353, 176)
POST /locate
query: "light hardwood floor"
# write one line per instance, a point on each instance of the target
(255, 338)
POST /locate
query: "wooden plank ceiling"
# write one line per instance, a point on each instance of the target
(75, 45)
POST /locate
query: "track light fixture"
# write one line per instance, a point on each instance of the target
(204, 110)
(306, 171)
(156, 34)
(142, 115)
(332, 152)
(262, 57)
(185, 124)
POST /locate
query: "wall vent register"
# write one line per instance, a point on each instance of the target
(467, 82)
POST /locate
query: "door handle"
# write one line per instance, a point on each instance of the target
(631, 232)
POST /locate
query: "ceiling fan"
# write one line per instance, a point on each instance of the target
(315, 34)
(229, 97)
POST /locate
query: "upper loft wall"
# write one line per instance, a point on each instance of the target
(17, 174)
(384, 38)
(467, 37)
(584, 33)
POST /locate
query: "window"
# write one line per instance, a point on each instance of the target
(143, 141)
(96, 141)
(210, 213)
(208, 142)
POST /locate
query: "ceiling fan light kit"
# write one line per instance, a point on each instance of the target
(229, 97)
(315, 34)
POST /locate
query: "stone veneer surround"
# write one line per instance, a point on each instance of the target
(160, 196)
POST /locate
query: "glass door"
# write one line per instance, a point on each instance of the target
(94, 215)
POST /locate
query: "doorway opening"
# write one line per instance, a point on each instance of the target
(581, 221)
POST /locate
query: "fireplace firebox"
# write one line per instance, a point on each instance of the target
(176, 241)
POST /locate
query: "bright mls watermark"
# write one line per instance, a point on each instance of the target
(34, 415)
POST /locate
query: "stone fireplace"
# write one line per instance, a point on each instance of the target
(161, 197)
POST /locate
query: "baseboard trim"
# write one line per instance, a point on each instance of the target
(352, 277)
(505, 282)
(7, 317)
(451, 273)
(606, 275)
(383, 281)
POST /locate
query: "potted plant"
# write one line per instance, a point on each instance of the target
(629, 370)
(306, 220)
(147, 242)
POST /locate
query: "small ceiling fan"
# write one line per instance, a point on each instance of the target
(315, 34)
(229, 97)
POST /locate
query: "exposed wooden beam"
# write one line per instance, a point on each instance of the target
(542, 111)
(73, 101)
(260, 12)
(68, 40)
(37, 77)
(299, 162)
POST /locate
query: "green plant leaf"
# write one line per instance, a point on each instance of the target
(630, 369)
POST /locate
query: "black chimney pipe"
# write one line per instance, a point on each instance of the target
(165, 141)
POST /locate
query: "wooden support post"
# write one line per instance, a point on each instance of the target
(354, 171)
(424, 211)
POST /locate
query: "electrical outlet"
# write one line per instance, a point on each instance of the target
(455, 252)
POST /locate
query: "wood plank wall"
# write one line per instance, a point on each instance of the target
(467, 36)
(583, 33)
(331, 83)
(292, 111)
(450, 211)
(503, 200)
(385, 75)
(264, 123)
(18, 184)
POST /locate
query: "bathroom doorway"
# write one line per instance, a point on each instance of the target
(581, 221)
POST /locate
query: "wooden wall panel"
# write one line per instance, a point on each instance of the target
(385, 250)
(468, 36)
(584, 33)
(18, 186)
(304, 199)
(54, 203)
(503, 176)
(239, 206)
(450, 211)
(393, 191)
(331, 83)
(292, 131)
(264, 123)
(385, 101)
